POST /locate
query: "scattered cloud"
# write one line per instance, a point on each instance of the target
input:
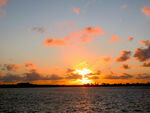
(55, 42)
(125, 66)
(29, 65)
(123, 76)
(146, 10)
(39, 29)
(143, 53)
(2, 3)
(146, 64)
(143, 76)
(145, 42)
(124, 56)
(83, 36)
(76, 10)
(113, 38)
(12, 67)
(130, 38)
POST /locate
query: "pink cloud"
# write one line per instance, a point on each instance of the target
(114, 38)
(124, 6)
(76, 10)
(130, 38)
(83, 36)
(2, 3)
(146, 10)
(144, 42)
(54, 42)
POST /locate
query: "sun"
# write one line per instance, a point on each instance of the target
(83, 72)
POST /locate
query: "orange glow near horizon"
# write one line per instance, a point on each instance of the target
(83, 72)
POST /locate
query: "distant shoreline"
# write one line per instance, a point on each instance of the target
(28, 85)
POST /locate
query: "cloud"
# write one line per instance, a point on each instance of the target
(30, 76)
(125, 66)
(2, 3)
(146, 10)
(83, 36)
(8, 78)
(143, 76)
(107, 59)
(124, 6)
(29, 65)
(12, 67)
(145, 42)
(76, 10)
(113, 38)
(146, 64)
(98, 72)
(55, 42)
(55, 77)
(39, 29)
(94, 77)
(70, 75)
(73, 76)
(65, 24)
(33, 75)
(123, 76)
(124, 56)
(143, 54)
(130, 38)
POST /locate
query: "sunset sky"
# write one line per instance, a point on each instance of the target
(74, 41)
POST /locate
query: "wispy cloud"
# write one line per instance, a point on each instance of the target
(65, 24)
(2, 3)
(124, 6)
(143, 76)
(12, 67)
(122, 76)
(144, 42)
(83, 36)
(39, 29)
(76, 10)
(114, 38)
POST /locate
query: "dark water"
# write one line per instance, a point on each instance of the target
(75, 99)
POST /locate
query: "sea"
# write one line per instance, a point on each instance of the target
(132, 99)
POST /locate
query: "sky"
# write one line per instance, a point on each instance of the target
(74, 41)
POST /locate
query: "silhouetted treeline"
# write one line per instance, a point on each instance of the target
(29, 85)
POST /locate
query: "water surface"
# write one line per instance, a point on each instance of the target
(75, 99)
